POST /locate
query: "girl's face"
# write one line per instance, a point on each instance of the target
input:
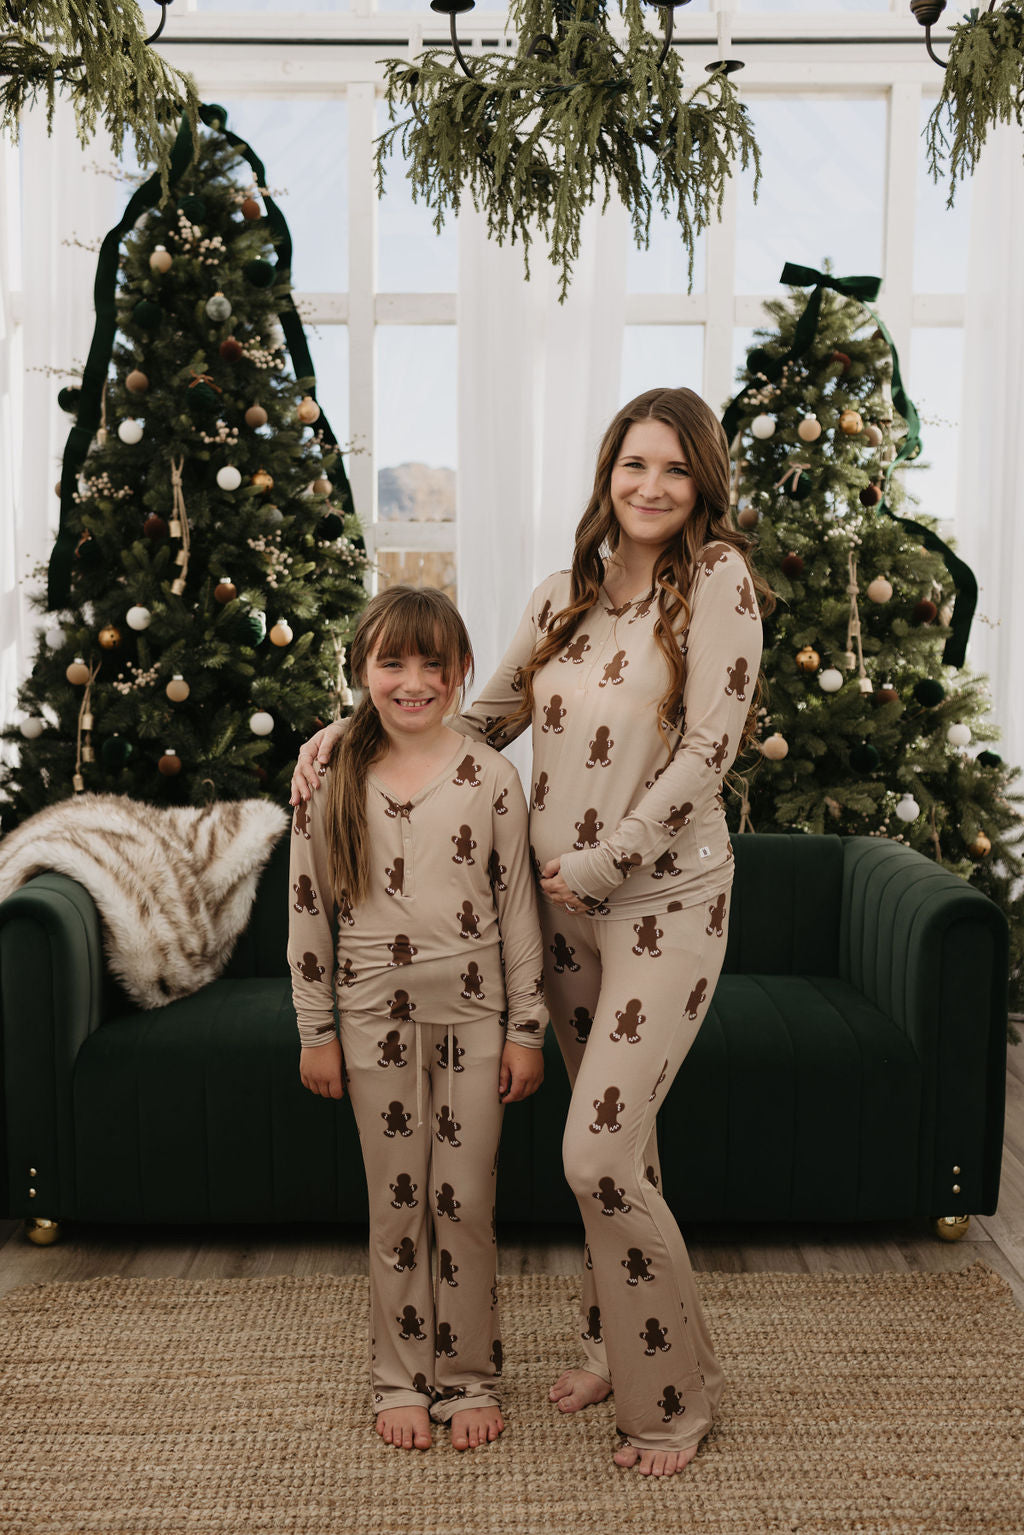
(652, 491)
(409, 693)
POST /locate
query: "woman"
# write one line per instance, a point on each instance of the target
(637, 670)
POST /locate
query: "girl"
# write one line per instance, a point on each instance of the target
(413, 906)
(638, 671)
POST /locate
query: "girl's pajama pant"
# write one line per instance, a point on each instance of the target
(627, 997)
(429, 1118)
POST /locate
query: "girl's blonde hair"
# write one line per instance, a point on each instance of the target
(706, 451)
(401, 621)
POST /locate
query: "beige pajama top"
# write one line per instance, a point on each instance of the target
(448, 933)
(633, 826)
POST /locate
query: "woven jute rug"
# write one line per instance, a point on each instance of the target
(876, 1403)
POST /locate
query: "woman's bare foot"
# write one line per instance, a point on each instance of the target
(474, 1426)
(406, 1427)
(654, 1462)
(578, 1388)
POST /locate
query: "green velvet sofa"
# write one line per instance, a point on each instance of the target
(852, 1066)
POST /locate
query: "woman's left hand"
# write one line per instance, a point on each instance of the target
(554, 887)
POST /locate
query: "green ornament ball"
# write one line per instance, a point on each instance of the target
(69, 398)
(260, 273)
(115, 751)
(203, 397)
(989, 759)
(193, 207)
(864, 758)
(248, 628)
(929, 692)
(147, 314)
(330, 527)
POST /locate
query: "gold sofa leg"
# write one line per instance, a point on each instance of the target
(42, 1232)
(952, 1228)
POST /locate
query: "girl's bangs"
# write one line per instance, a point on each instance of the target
(422, 628)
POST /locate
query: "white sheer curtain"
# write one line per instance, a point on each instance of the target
(55, 198)
(538, 383)
(990, 535)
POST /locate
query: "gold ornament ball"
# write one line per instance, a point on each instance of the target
(255, 416)
(177, 689)
(809, 429)
(980, 847)
(851, 423)
(262, 480)
(136, 382)
(322, 486)
(307, 410)
(808, 659)
(747, 518)
(77, 672)
(281, 634)
(169, 764)
(225, 590)
(110, 637)
(775, 747)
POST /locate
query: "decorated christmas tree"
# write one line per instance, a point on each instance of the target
(209, 564)
(871, 722)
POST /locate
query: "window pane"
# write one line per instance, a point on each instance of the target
(941, 233)
(328, 347)
(822, 189)
(311, 189)
(661, 356)
(417, 567)
(416, 422)
(932, 378)
(662, 268)
(411, 256)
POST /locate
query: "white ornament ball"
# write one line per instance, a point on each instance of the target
(880, 590)
(139, 618)
(809, 429)
(261, 723)
(32, 728)
(830, 680)
(229, 478)
(218, 307)
(763, 426)
(130, 431)
(161, 259)
(775, 747)
(959, 735)
(54, 636)
(908, 809)
(177, 689)
(274, 515)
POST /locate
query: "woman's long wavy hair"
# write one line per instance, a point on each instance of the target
(706, 451)
(401, 621)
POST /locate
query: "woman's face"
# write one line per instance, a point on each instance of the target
(652, 491)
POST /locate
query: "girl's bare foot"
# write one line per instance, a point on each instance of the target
(474, 1426)
(406, 1427)
(654, 1462)
(578, 1388)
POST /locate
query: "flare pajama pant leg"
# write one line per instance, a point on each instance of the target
(435, 1336)
(627, 997)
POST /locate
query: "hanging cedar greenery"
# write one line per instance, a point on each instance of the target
(984, 85)
(570, 118)
(97, 56)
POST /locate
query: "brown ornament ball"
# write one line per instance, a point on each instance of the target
(169, 764)
(870, 495)
(56, 489)
(925, 611)
(747, 518)
(231, 349)
(177, 689)
(809, 429)
(136, 382)
(155, 527)
(225, 590)
(322, 486)
(262, 480)
(255, 416)
(161, 260)
(110, 637)
(808, 659)
(887, 695)
(251, 208)
(307, 410)
(980, 847)
(851, 422)
(792, 565)
(841, 358)
(77, 672)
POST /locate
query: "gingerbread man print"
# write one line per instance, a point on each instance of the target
(541, 791)
(630, 861)
(405, 1255)
(678, 817)
(696, 997)
(447, 1126)
(584, 1023)
(593, 1328)
(305, 896)
(397, 811)
(746, 603)
(611, 1198)
(563, 954)
(401, 1008)
(614, 669)
(345, 910)
(396, 877)
(401, 951)
(442, 1054)
(554, 714)
(665, 864)
(661, 1078)
(638, 1267)
(500, 808)
(410, 1325)
(472, 982)
(721, 751)
(647, 934)
(466, 772)
(446, 1341)
(738, 679)
(447, 1270)
(464, 845)
(391, 1049)
(346, 975)
(396, 1120)
(600, 747)
(587, 829)
(655, 1337)
(403, 1191)
(576, 650)
(419, 1383)
(716, 918)
(495, 871)
(468, 921)
(608, 1110)
(544, 615)
(673, 1407)
(617, 612)
(497, 1356)
(644, 607)
(629, 1020)
(716, 555)
(309, 969)
(300, 828)
(447, 1204)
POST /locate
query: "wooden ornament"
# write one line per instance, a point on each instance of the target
(808, 659)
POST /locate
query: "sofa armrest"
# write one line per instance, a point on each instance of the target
(932, 953)
(51, 1000)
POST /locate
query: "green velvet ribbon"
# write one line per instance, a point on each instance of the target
(94, 376)
(864, 290)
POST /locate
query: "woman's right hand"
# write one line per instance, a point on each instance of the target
(318, 748)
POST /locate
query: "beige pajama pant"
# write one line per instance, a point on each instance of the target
(627, 997)
(426, 1104)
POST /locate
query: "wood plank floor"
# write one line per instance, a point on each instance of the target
(88, 1252)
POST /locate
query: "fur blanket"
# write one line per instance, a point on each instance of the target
(173, 887)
